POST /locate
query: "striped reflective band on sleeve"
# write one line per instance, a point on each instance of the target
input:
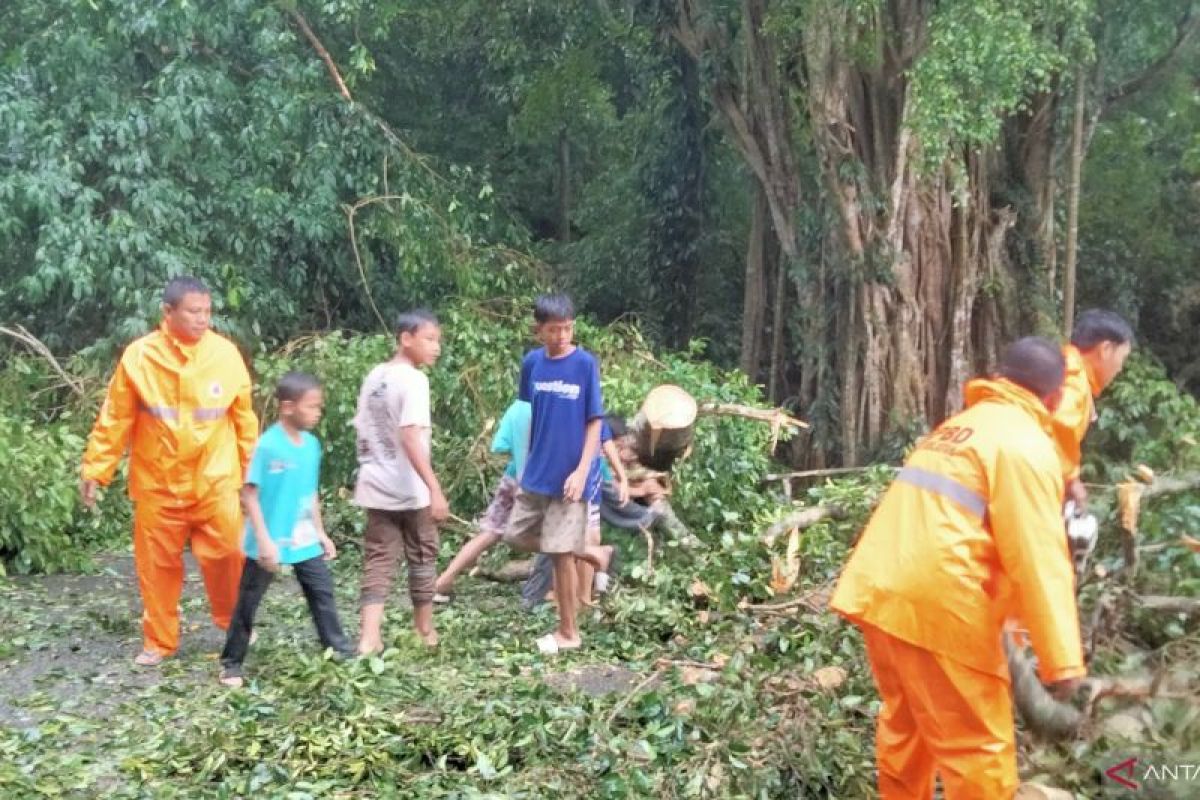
(947, 487)
(208, 414)
(161, 412)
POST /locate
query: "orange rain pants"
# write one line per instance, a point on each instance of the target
(940, 718)
(161, 529)
(184, 414)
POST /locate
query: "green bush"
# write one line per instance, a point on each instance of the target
(1144, 419)
(719, 490)
(43, 526)
(476, 379)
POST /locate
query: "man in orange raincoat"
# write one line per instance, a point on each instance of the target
(1100, 343)
(968, 534)
(181, 397)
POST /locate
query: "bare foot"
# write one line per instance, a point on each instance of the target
(369, 648)
(430, 638)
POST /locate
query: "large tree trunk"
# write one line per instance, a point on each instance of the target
(894, 315)
(907, 336)
(1029, 145)
(754, 292)
(749, 92)
(779, 317)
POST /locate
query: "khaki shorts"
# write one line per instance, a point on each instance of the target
(543, 524)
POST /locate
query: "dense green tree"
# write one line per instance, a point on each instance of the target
(855, 201)
(146, 141)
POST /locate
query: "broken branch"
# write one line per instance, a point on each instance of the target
(777, 418)
(334, 73)
(804, 518)
(815, 473)
(36, 345)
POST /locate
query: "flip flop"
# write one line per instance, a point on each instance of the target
(148, 658)
(548, 645)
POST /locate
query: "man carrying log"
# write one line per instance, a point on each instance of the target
(180, 401)
(968, 533)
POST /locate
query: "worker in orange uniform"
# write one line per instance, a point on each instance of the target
(181, 397)
(1100, 343)
(970, 531)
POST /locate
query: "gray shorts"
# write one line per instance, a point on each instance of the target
(544, 524)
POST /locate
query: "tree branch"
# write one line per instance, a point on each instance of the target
(1170, 605)
(302, 24)
(36, 345)
(1186, 30)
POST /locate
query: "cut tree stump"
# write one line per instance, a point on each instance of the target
(664, 426)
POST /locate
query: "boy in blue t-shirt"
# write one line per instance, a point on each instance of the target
(562, 384)
(284, 524)
(512, 437)
(609, 472)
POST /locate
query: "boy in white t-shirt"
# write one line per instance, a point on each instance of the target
(396, 482)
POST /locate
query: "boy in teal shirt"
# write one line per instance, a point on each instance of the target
(512, 437)
(284, 524)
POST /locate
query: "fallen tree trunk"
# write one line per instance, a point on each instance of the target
(1052, 718)
(509, 572)
(1170, 605)
(667, 521)
(665, 425)
(1040, 710)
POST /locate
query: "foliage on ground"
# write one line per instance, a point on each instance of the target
(713, 699)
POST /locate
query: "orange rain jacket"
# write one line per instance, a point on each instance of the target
(1076, 411)
(187, 410)
(969, 534)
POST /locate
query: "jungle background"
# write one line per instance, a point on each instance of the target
(840, 208)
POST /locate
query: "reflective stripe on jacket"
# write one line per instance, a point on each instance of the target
(183, 411)
(969, 534)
